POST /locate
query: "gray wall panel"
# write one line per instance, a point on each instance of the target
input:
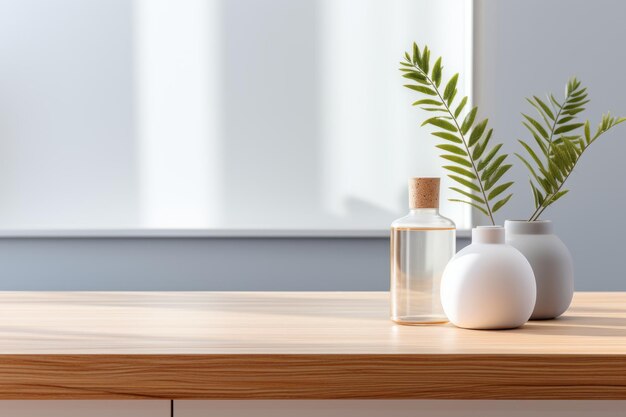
(249, 264)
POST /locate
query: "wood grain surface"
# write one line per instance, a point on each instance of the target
(296, 346)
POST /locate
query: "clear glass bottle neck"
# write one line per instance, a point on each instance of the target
(422, 211)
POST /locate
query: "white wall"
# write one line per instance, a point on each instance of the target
(235, 114)
(67, 150)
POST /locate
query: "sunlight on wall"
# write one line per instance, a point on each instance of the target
(372, 140)
(225, 114)
(176, 76)
(316, 128)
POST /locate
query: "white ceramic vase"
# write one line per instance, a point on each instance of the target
(551, 262)
(488, 284)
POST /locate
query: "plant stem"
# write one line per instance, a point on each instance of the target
(543, 207)
(556, 118)
(536, 212)
(539, 209)
(456, 123)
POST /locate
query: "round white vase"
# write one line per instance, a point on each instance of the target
(551, 262)
(488, 284)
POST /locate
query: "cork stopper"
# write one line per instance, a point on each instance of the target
(423, 192)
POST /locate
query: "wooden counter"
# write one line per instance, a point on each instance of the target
(187, 345)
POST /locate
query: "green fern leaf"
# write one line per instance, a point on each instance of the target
(452, 149)
(463, 181)
(448, 136)
(439, 122)
(437, 72)
(547, 175)
(501, 203)
(499, 190)
(434, 109)
(575, 105)
(450, 87)
(493, 179)
(469, 120)
(577, 99)
(485, 161)
(492, 167)
(450, 99)
(460, 171)
(416, 76)
(532, 153)
(545, 107)
(427, 101)
(417, 58)
(574, 111)
(469, 195)
(478, 150)
(558, 195)
(537, 196)
(568, 128)
(458, 159)
(555, 171)
(537, 126)
(565, 120)
(539, 140)
(477, 132)
(425, 59)
(421, 89)
(541, 143)
(459, 108)
(547, 187)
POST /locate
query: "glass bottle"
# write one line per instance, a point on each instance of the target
(422, 243)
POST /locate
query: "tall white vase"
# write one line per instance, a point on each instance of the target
(551, 262)
(488, 284)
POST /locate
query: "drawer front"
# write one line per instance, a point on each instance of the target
(84, 408)
(398, 408)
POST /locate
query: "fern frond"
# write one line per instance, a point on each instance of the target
(466, 140)
(556, 155)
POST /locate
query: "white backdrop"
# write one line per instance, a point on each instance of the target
(219, 114)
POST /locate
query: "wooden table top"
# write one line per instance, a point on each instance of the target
(296, 345)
